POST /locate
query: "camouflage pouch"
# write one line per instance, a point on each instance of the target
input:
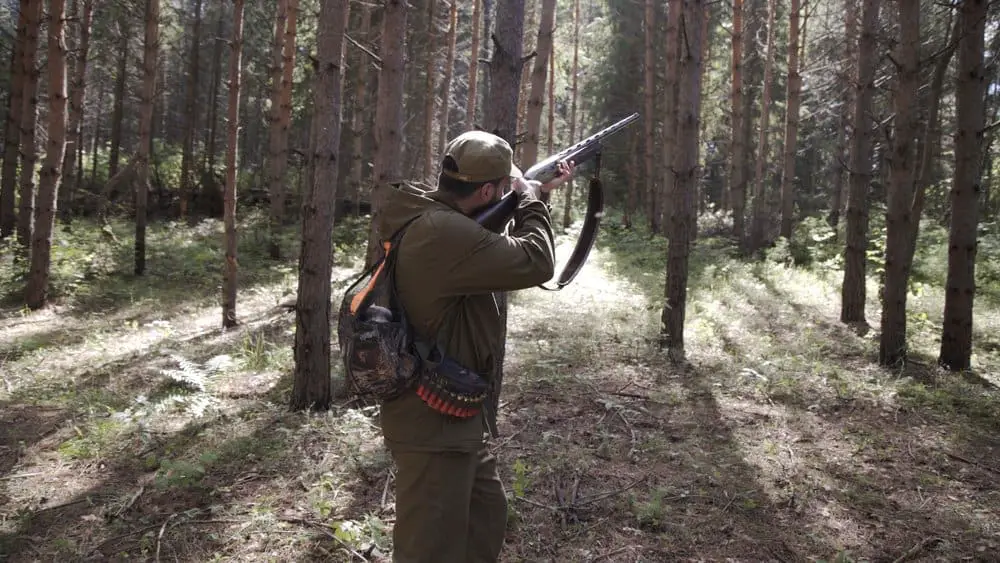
(376, 340)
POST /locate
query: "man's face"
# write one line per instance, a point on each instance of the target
(490, 194)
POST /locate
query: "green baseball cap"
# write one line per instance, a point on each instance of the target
(480, 157)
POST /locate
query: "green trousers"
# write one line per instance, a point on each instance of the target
(450, 508)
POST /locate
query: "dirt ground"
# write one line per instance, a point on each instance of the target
(145, 433)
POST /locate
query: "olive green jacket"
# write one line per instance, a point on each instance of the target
(447, 271)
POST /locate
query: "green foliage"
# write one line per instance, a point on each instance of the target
(182, 474)
(651, 514)
(521, 478)
(96, 439)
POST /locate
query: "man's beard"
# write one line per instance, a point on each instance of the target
(485, 206)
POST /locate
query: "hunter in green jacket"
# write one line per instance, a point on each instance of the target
(450, 502)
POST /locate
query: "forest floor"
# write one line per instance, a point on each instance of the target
(133, 428)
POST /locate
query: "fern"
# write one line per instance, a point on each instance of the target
(195, 376)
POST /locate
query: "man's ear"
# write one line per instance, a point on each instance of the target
(484, 190)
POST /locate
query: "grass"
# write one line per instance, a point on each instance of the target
(133, 427)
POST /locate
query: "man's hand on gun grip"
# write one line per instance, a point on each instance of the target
(565, 173)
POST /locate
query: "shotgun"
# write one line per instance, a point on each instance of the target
(495, 217)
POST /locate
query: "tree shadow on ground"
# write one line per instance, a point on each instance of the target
(255, 482)
(233, 472)
(845, 462)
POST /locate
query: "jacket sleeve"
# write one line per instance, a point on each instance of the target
(483, 261)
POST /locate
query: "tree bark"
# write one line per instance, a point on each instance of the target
(230, 268)
(312, 388)
(738, 152)
(543, 52)
(505, 71)
(760, 221)
(151, 45)
(685, 167)
(960, 287)
(388, 116)
(649, 94)
(449, 71)
(567, 217)
(794, 93)
(213, 95)
(429, 96)
(279, 136)
(892, 342)
(78, 83)
(190, 112)
(29, 117)
(931, 138)
(37, 291)
(848, 74)
(662, 202)
(359, 114)
(853, 289)
(121, 80)
(12, 133)
(275, 178)
(470, 106)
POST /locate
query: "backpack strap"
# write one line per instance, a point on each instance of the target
(365, 297)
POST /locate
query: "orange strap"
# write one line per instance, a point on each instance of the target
(356, 302)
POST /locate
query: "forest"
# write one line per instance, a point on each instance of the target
(783, 346)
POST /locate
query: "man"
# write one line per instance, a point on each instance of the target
(450, 502)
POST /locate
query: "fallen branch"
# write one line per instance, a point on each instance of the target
(971, 462)
(326, 531)
(19, 475)
(631, 430)
(602, 496)
(915, 550)
(159, 536)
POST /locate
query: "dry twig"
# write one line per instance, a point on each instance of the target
(159, 536)
(915, 550)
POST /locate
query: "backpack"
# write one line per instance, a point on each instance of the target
(376, 340)
(382, 357)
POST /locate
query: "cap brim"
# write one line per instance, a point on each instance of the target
(515, 172)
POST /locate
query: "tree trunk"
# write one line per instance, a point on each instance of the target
(213, 96)
(449, 71)
(470, 106)
(791, 123)
(36, 294)
(956, 334)
(662, 202)
(931, 139)
(567, 217)
(505, 71)
(121, 79)
(649, 94)
(685, 167)
(190, 112)
(229, 196)
(853, 289)
(760, 220)
(275, 180)
(29, 116)
(738, 149)
(429, 96)
(311, 388)
(552, 97)
(77, 97)
(359, 114)
(892, 343)
(848, 73)
(388, 116)
(12, 133)
(142, 156)
(543, 50)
